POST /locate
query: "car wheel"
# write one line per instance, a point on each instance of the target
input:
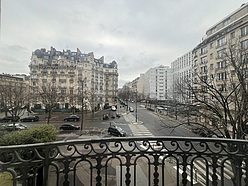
(65, 119)
(75, 119)
(21, 120)
(32, 120)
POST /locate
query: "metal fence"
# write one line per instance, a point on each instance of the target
(127, 161)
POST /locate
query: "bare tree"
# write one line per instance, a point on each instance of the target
(50, 97)
(14, 97)
(220, 97)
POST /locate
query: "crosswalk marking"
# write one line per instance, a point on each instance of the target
(140, 130)
(225, 172)
(201, 168)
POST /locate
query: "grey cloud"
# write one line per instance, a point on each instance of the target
(137, 34)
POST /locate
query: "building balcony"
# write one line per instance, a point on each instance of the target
(127, 161)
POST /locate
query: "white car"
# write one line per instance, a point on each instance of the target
(16, 126)
(131, 109)
(113, 108)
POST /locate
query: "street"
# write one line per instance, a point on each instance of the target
(147, 124)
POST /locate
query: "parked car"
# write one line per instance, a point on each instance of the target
(203, 132)
(10, 119)
(113, 108)
(105, 117)
(15, 126)
(131, 109)
(72, 118)
(69, 126)
(116, 131)
(30, 119)
(118, 115)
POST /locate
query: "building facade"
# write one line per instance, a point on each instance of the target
(14, 93)
(76, 75)
(212, 55)
(220, 69)
(182, 71)
(158, 83)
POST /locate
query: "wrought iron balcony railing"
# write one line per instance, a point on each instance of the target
(127, 161)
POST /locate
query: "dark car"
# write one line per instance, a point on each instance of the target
(118, 115)
(10, 119)
(116, 131)
(72, 118)
(203, 132)
(69, 126)
(30, 119)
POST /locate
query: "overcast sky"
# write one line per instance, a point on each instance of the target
(137, 34)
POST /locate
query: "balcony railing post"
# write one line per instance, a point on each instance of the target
(238, 176)
(184, 174)
(156, 174)
(134, 160)
(46, 166)
(128, 175)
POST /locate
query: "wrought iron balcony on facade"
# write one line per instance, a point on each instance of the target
(127, 161)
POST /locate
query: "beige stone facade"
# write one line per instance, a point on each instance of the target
(75, 75)
(226, 40)
(210, 55)
(14, 92)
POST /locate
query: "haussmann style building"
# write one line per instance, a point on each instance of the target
(76, 76)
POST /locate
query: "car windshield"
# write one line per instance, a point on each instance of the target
(67, 125)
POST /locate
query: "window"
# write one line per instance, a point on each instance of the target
(232, 35)
(221, 87)
(213, 30)
(244, 58)
(211, 45)
(221, 42)
(233, 47)
(221, 54)
(204, 50)
(221, 65)
(211, 56)
(244, 31)
(63, 91)
(221, 76)
(204, 69)
(204, 60)
(226, 22)
(211, 66)
(244, 44)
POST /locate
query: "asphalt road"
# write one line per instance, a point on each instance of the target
(151, 121)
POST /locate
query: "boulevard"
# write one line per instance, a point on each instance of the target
(147, 124)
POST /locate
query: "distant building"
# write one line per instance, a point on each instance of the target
(13, 90)
(182, 71)
(74, 73)
(140, 87)
(158, 83)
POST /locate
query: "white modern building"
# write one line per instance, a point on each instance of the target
(182, 71)
(158, 83)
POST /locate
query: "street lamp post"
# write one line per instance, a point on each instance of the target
(136, 111)
(82, 112)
